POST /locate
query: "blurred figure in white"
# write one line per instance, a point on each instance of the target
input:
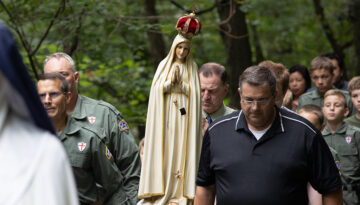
(34, 165)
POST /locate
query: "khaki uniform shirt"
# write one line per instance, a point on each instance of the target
(224, 110)
(108, 121)
(313, 97)
(346, 142)
(92, 164)
(353, 120)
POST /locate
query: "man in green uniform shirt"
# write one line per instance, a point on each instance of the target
(345, 139)
(321, 72)
(213, 91)
(90, 158)
(105, 119)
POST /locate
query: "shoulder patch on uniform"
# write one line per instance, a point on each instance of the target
(337, 162)
(123, 125)
(108, 153)
(81, 146)
(92, 119)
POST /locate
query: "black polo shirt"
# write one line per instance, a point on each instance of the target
(273, 170)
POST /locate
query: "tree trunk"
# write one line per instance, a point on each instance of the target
(355, 8)
(235, 36)
(157, 45)
(256, 40)
(335, 45)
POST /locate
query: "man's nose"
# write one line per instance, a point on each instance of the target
(206, 95)
(255, 105)
(47, 99)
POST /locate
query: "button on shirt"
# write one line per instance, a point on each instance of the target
(272, 170)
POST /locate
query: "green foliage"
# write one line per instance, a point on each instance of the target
(112, 49)
(291, 33)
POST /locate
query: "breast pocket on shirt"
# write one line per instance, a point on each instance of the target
(349, 157)
(80, 160)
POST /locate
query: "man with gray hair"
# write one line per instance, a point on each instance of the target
(106, 119)
(214, 87)
(264, 154)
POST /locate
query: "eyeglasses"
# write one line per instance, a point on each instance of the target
(52, 95)
(259, 102)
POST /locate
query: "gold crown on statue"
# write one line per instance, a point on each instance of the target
(188, 25)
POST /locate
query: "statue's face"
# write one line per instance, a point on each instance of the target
(182, 50)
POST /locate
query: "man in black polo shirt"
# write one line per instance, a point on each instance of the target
(263, 154)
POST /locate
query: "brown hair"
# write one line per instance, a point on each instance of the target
(280, 72)
(56, 76)
(258, 76)
(209, 69)
(311, 108)
(354, 84)
(321, 63)
(337, 93)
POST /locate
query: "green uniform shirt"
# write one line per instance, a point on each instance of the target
(346, 142)
(108, 121)
(353, 120)
(92, 163)
(222, 111)
(336, 157)
(313, 97)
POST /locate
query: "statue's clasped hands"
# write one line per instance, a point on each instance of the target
(176, 76)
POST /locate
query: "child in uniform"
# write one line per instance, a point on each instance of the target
(345, 139)
(315, 116)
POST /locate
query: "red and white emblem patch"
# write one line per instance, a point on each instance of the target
(348, 139)
(92, 119)
(81, 146)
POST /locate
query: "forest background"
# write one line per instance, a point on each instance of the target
(117, 44)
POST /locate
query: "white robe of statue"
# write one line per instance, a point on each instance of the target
(172, 137)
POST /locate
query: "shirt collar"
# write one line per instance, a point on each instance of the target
(340, 130)
(70, 128)
(219, 113)
(79, 110)
(276, 127)
(316, 93)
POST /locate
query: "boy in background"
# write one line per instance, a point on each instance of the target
(315, 116)
(321, 73)
(354, 90)
(345, 139)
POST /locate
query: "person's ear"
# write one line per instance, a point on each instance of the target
(68, 97)
(76, 76)
(276, 94)
(346, 112)
(226, 88)
(322, 127)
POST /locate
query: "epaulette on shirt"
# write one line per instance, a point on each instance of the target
(111, 107)
(352, 129)
(102, 103)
